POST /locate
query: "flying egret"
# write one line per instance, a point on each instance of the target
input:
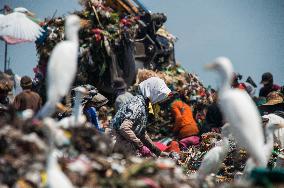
(240, 112)
(270, 129)
(55, 177)
(62, 66)
(18, 25)
(214, 158)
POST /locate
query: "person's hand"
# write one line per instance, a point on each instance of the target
(144, 151)
(164, 154)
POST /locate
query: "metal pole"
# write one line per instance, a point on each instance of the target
(5, 60)
(9, 63)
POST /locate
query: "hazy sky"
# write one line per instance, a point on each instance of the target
(249, 32)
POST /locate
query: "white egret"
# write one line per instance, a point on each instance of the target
(270, 129)
(70, 121)
(240, 112)
(55, 177)
(17, 85)
(77, 117)
(279, 133)
(62, 66)
(214, 158)
(18, 25)
(78, 109)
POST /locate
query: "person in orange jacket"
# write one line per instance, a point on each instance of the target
(185, 125)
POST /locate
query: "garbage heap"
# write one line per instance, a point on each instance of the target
(83, 155)
(190, 89)
(195, 93)
(114, 41)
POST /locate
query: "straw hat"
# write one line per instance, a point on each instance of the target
(273, 98)
(26, 81)
(99, 100)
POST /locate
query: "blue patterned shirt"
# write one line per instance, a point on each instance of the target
(134, 110)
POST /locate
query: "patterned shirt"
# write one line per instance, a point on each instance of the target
(136, 111)
(121, 99)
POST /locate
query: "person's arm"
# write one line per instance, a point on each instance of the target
(149, 144)
(17, 102)
(126, 131)
(39, 103)
(177, 116)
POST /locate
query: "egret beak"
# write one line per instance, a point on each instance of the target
(210, 66)
(30, 14)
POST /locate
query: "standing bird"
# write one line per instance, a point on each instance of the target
(240, 112)
(78, 109)
(19, 26)
(279, 133)
(62, 66)
(17, 85)
(77, 118)
(55, 177)
(214, 158)
(270, 129)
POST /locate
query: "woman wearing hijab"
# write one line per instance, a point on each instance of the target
(130, 121)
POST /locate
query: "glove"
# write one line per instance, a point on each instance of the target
(145, 152)
(192, 140)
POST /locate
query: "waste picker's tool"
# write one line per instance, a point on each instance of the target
(129, 10)
(132, 6)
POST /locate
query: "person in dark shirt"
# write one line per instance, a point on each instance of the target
(27, 99)
(235, 82)
(5, 88)
(214, 118)
(268, 86)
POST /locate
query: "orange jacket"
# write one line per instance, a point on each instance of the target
(185, 124)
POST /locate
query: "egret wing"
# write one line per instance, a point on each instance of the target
(243, 116)
(19, 26)
(211, 161)
(62, 68)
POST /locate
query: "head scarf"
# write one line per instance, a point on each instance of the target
(154, 89)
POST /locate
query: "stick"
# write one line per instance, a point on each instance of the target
(96, 13)
(125, 6)
(5, 59)
(132, 6)
(52, 17)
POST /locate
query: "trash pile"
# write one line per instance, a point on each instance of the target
(234, 162)
(189, 88)
(85, 158)
(88, 162)
(115, 35)
(23, 154)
